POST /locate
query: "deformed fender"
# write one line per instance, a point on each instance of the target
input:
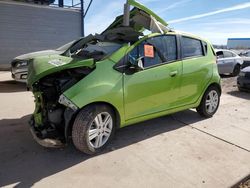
(99, 87)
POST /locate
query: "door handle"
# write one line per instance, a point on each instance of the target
(173, 73)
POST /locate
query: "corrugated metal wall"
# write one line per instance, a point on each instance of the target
(238, 43)
(26, 28)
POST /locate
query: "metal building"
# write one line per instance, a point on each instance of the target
(238, 43)
(28, 27)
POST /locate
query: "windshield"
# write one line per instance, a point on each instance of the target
(93, 49)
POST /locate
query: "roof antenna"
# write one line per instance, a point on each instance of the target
(126, 14)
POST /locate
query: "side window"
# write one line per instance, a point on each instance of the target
(219, 54)
(205, 46)
(191, 47)
(149, 50)
(166, 45)
(153, 51)
(227, 54)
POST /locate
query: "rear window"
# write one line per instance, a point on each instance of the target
(227, 54)
(191, 47)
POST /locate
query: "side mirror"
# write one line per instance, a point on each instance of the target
(140, 63)
(136, 64)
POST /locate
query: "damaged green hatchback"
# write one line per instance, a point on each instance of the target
(121, 77)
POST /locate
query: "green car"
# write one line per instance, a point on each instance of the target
(121, 77)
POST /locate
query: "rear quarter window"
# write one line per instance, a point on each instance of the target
(191, 47)
(205, 47)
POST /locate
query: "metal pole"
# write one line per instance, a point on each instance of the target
(86, 12)
(82, 18)
(126, 14)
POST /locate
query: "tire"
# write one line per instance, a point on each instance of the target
(236, 70)
(92, 118)
(206, 109)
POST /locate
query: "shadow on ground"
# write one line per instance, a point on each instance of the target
(23, 162)
(10, 86)
(240, 94)
(226, 76)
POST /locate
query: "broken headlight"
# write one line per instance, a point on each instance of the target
(66, 102)
(22, 64)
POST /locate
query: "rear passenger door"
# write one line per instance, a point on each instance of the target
(197, 69)
(220, 62)
(229, 61)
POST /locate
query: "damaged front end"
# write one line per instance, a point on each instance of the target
(51, 76)
(53, 111)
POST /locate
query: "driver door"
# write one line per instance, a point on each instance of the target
(155, 88)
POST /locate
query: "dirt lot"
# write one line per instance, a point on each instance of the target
(180, 150)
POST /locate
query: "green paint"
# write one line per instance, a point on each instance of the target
(137, 97)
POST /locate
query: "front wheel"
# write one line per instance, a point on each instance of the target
(93, 128)
(210, 102)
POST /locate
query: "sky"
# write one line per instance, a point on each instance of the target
(214, 20)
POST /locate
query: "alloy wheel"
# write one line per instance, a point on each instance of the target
(212, 101)
(100, 130)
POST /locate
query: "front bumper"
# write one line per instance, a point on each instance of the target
(46, 142)
(243, 83)
(19, 75)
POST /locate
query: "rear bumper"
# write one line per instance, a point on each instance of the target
(45, 142)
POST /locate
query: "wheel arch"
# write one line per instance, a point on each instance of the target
(206, 88)
(69, 125)
(216, 85)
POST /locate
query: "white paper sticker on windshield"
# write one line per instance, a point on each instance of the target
(57, 62)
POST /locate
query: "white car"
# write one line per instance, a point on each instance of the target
(19, 65)
(246, 59)
(228, 62)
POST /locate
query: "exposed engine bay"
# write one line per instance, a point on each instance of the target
(48, 119)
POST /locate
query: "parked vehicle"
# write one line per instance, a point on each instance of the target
(119, 78)
(228, 62)
(19, 66)
(246, 59)
(243, 80)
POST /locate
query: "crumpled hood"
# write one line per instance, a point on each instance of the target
(38, 53)
(46, 65)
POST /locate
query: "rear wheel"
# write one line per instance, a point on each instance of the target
(236, 70)
(93, 128)
(210, 102)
